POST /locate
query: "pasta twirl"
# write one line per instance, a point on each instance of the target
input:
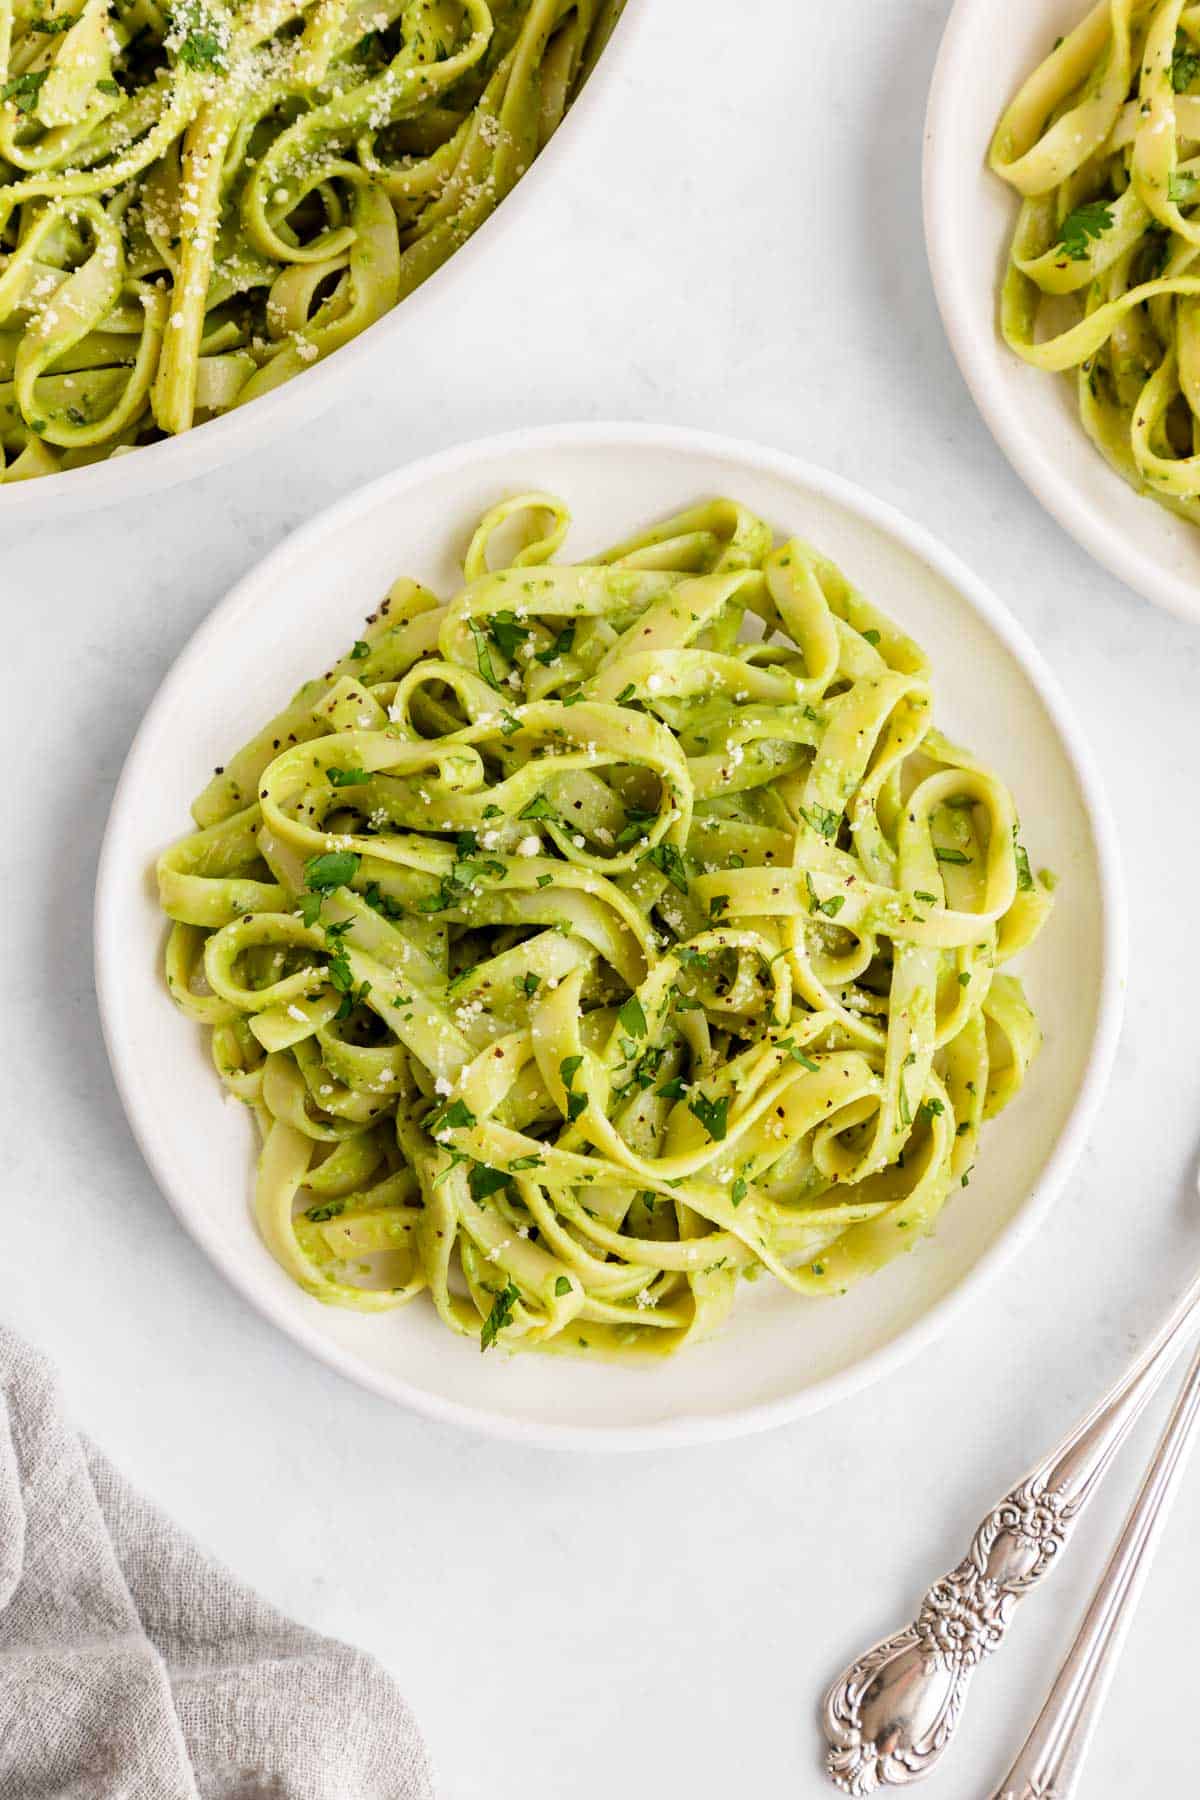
(604, 934)
(199, 200)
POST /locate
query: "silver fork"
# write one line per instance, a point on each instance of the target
(890, 1716)
(1050, 1762)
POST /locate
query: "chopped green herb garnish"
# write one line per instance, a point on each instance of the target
(500, 1315)
(328, 1209)
(23, 91)
(332, 870)
(483, 1180)
(1081, 226)
(455, 1117)
(506, 633)
(483, 656)
(632, 1018)
(1185, 65)
(668, 860)
(822, 820)
(712, 1114)
(562, 643)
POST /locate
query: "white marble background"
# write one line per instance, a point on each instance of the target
(738, 245)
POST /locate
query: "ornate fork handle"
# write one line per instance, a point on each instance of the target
(1050, 1763)
(890, 1716)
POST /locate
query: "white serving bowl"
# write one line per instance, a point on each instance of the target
(779, 1356)
(988, 48)
(297, 402)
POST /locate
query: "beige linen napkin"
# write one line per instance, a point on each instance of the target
(134, 1668)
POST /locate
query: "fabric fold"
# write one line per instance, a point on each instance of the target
(133, 1667)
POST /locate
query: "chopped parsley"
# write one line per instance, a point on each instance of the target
(1185, 65)
(634, 828)
(500, 1315)
(455, 1117)
(712, 1114)
(483, 1181)
(632, 1017)
(831, 907)
(562, 643)
(950, 856)
(23, 90)
(1081, 226)
(568, 1068)
(332, 870)
(822, 820)
(340, 778)
(668, 860)
(507, 633)
(483, 656)
(462, 877)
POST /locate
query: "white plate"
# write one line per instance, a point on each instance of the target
(399, 336)
(988, 48)
(780, 1356)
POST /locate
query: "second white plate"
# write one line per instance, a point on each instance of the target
(779, 1357)
(988, 48)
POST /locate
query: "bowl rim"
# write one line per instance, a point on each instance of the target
(1028, 454)
(693, 1428)
(223, 440)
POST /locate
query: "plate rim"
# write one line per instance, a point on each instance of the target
(1079, 517)
(916, 538)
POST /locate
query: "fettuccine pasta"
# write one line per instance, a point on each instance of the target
(1103, 144)
(606, 933)
(201, 198)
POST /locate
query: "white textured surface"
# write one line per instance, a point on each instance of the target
(737, 246)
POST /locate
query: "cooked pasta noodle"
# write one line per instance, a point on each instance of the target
(579, 956)
(200, 199)
(1103, 144)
